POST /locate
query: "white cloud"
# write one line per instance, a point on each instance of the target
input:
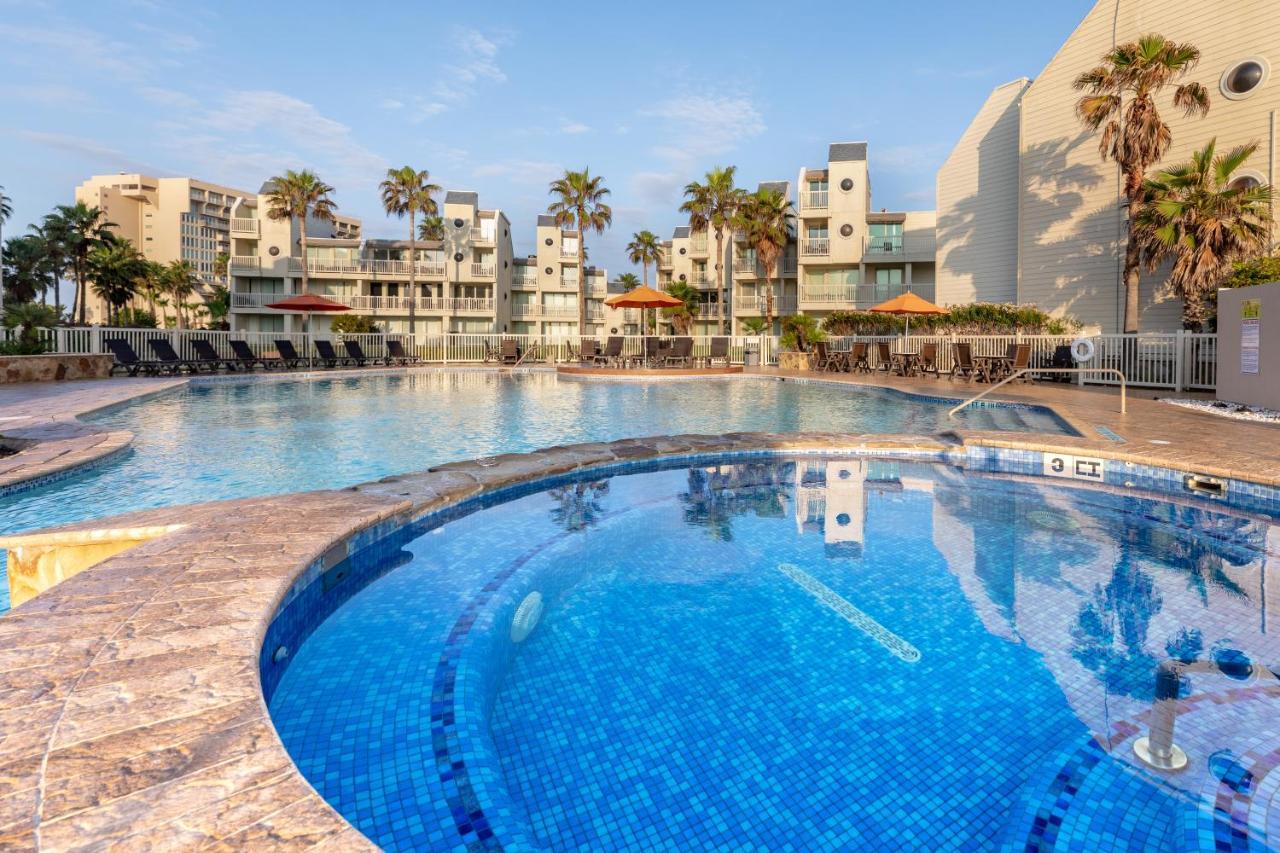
(539, 172)
(922, 158)
(101, 157)
(472, 60)
(170, 40)
(168, 97)
(391, 104)
(48, 94)
(78, 46)
(704, 125)
(574, 127)
(660, 189)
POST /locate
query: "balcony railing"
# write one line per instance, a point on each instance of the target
(244, 226)
(328, 267)
(891, 245)
(701, 279)
(392, 267)
(479, 238)
(815, 246)
(481, 270)
(568, 283)
(698, 243)
(244, 263)
(757, 305)
(395, 304)
(814, 200)
(896, 245)
(748, 268)
(568, 254)
(469, 304)
(858, 295)
(708, 310)
(527, 282)
(256, 300)
(524, 309)
(559, 310)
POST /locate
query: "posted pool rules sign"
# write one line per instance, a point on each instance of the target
(1250, 334)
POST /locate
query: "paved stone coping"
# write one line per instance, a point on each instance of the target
(132, 712)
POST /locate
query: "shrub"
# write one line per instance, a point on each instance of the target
(353, 324)
(978, 318)
(799, 332)
(136, 318)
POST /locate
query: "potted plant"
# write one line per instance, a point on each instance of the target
(799, 333)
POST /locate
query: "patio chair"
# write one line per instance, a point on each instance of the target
(245, 358)
(590, 348)
(171, 361)
(927, 362)
(355, 353)
(821, 356)
(328, 356)
(490, 354)
(858, 358)
(719, 352)
(884, 361)
(1060, 359)
(965, 367)
(612, 353)
(396, 354)
(288, 355)
(679, 354)
(1021, 361)
(509, 352)
(652, 351)
(205, 351)
(127, 360)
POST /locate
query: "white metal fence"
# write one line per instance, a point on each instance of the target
(1177, 361)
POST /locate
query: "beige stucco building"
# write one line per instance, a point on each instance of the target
(545, 292)
(1025, 183)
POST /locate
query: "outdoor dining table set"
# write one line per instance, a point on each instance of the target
(925, 361)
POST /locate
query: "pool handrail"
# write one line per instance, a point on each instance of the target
(1017, 373)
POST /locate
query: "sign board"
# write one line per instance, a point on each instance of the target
(1074, 467)
(1250, 335)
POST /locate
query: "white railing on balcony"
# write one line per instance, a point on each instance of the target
(559, 310)
(708, 310)
(756, 305)
(256, 300)
(524, 309)
(701, 279)
(317, 266)
(698, 243)
(395, 304)
(815, 200)
(746, 266)
(815, 246)
(244, 262)
(568, 283)
(469, 304)
(481, 270)
(480, 238)
(569, 254)
(401, 268)
(240, 225)
(527, 282)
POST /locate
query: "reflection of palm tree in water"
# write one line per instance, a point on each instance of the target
(1110, 633)
(578, 505)
(714, 498)
(1234, 541)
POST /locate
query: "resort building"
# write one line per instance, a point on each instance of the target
(689, 258)
(545, 292)
(851, 256)
(752, 282)
(1027, 210)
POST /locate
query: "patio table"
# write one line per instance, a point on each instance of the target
(903, 363)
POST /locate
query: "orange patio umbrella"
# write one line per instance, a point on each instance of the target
(906, 305)
(643, 297)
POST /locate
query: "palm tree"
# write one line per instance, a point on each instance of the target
(711, 205)
(6, 210)
(300, 196)
(180, 281)
(628, 280)
(1193, 216)
(77, 229)
(406, 191)
(1121, 100)
(681, 316)
(24, 268)
(579, 202)
(56, 261)
(116, 268)
(431, 228)
(754, 326)
(28, 318)
(766, 220)
(645, 248)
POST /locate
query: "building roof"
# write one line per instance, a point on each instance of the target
(681, 231)
(783, 187)
(267, 187)
(457, 197)
(545, 219)
(841, 152)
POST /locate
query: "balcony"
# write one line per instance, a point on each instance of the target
(815, 246)
(757, 305)
(698, 244)
(400, 269)
(568, 254)
(567, 283)
(814, 200)
(244, 226)
(481, 270)
(244, 263)
(568, 311)
(256, 300)
(524, 309)
(701, 279)
(480, 238)
(395, 304)
(469, 305)
(317, 266)
(745, 266)
(842, 295)
(525, 282)
(858, 295)
(708, 310)
(898, 246)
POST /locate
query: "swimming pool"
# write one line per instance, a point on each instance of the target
(827, 653)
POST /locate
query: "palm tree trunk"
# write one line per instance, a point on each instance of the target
(645, 267)
(1132, 272)
(720, 280)
(413, 266)
(768, 304)
(302, 237)
(80, 291)
(582, 279)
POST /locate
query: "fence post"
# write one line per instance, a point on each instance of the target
(445, 349)
(1179, 360)
(95, 340)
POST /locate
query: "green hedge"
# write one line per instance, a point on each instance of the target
(978, 318)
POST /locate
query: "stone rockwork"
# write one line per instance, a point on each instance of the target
(53, 368)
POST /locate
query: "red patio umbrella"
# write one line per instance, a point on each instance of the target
(309, 303)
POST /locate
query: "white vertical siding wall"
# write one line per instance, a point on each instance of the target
(977, 186)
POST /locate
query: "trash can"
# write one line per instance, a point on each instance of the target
(751, 355)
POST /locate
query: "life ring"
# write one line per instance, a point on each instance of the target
(1082, 350)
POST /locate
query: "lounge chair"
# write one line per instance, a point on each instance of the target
(245, 358)
(127, 360)
(679, 354)
(356, 354)
(205, 351)
(170, 360)
(396, 354)
(509, 351)
(328, 356)
(965, 367)
(652, 352)
(858, 358)
(884, 361)
(590, 348)
(288, 355)
(719, 352)
(612, 353)
(927, 361)
(1021, 361)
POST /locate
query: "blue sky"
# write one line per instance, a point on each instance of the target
(501, 97)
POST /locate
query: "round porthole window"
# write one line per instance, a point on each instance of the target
(682, 276)
(682, 251)
(549, 241)
(1247, 180)
(273, 251)
(457, 257)
(846, 184)
(548, 270)
(1243, 78)
(458, 223)
(846, 230)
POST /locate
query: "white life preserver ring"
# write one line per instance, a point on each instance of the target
(1082, 350)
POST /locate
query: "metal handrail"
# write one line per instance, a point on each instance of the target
(528, 351)
(1023, 371)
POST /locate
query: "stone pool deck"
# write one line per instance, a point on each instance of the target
(131, 714)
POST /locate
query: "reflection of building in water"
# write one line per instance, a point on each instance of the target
(831, 498)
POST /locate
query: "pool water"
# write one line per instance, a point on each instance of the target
(232, 440)
(811, 653)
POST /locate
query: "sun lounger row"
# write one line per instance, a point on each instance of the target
(166, 360)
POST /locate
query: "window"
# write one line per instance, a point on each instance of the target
(817, 231)
(889, 276)
(1244, 77)
(1246, 181)
(818, 186)
(831, 276)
